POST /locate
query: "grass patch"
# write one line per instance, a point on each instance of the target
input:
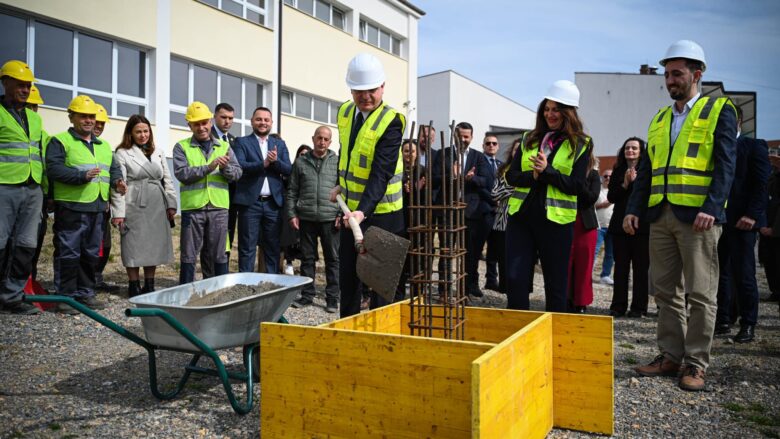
(55, 426)
(16, 434)
(631, 360)
(627, 345)
(733, 407)
(763, 420)
(757, 408)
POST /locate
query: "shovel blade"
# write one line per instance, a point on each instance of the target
(380, 267)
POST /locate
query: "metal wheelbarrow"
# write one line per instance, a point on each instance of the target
(169, 325)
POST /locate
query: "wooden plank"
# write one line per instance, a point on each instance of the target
(513, 387)
(583, 372)
(385, 320)
(322, 382)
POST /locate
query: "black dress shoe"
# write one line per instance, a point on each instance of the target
(722, 329)
(580, 309)
(636, 314)
(616, 314)
(774, 297)
(492, 286)
(746, 334)
(475, 291)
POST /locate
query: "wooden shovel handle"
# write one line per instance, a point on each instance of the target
(353, 224)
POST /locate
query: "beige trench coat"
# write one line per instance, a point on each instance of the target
(146, 238)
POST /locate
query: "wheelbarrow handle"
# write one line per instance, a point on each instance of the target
(353, 224)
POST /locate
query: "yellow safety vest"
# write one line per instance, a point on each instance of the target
(561, 207)
(355, 168)
(213, 188)
(20, 154)
(78, 156)
(685, 177)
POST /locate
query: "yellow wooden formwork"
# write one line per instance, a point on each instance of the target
(517, 374)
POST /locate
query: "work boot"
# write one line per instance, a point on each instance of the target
(722, 329)
(92, 302)
(746, 334)
(148, 285)
(302, 302)
(660, 366)
(332, 305)
(20, 308)
(691, 378)
(133, 288)
(64, 308)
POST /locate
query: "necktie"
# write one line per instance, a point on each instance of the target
(355, 130)
(493, 162)
(224, 137)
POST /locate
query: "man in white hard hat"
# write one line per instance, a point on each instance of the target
(370, 169)
(681, 189)
(204, 165)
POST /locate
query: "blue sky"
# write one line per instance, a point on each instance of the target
(518, 48)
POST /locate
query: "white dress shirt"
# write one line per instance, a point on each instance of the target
(266, 190)
(678, 118)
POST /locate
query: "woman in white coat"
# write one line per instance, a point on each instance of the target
(144, 215)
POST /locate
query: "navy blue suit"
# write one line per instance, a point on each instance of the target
(748, 198)
(259, 217)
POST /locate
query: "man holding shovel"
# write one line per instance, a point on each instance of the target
(370, 170)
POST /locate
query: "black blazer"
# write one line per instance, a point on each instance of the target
(619, 196)
(231, 138)
(586, 200)
(748, 196)
(477, 190)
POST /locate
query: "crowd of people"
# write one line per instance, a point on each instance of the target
(661, 213)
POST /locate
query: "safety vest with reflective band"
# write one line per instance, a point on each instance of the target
(20, 154)
(685, 177)
(561, 207)
(355, 168)
(213, 188)
(78, 156)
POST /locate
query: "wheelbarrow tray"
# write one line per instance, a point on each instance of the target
(220, 326)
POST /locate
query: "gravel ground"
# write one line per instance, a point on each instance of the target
(67, 376)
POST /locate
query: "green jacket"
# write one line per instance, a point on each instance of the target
(308, 189)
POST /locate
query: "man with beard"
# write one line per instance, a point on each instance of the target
(204, 165)
(260, 193)
(681, 189)
(224, 114)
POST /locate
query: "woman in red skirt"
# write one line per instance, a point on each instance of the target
(583, 246)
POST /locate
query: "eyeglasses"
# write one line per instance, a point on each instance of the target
(491, 143)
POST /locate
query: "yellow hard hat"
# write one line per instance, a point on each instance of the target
(17, 70)
(102, 115)
(83, 104)
(35, 96)
(198, 111)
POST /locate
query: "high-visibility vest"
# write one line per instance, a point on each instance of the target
(561, 207)
(78, 156)
(213, 188)
(355, 168)
(685, 177)
(20, 154)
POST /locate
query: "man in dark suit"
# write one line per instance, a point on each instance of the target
(745, 215)
(490, 149)
(220, 129)
(260, 192)
(478, 177)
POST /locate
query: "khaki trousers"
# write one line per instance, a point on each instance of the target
(677, 252)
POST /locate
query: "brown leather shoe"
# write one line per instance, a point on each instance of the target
(692, 378)
(660, 366)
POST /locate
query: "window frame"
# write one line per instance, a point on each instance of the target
(114, 95)
(333, 107)
(245, 6)
(396, 41)
(331, 8)
(238, 118)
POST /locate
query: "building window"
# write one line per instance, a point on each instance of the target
(113, 74)
(250, 10)
(309, 107)
(321, 10)
(380, 37)
(193, 82)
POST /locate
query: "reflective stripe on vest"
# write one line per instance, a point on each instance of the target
(561, 207)
(20, 155)
(213, 188)
(355, 168)
(685, 177)
(78, 156)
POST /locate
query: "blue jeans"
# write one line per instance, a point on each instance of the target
(605, 238)
(259, 224)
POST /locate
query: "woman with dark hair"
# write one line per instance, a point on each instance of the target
(547, 172)
(144, 215)
(628, 250)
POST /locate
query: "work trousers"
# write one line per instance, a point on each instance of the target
(105, 245)
(530, 233)
(329, 238)
(77, 237)
(204, 233)
(259, 224)
(477, 231)
(583, 248)
(684, 336)
(348, 280)
(769, 255)
(496, 260)
(631, 252)
(20, 217)
(737, 282)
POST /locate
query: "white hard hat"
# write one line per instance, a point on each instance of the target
(685, 49)
(564, 92)
(365, 72)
